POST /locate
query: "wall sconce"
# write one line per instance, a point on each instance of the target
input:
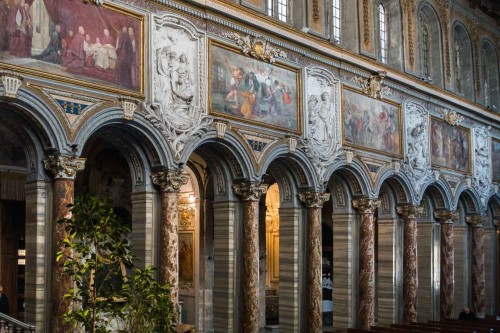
(220, 127)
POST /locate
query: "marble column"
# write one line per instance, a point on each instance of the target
(496, 223)
(170, 183)
(477, 263)
(366, 260)
(250, 193)
(447, 287)
(314, 202)
(410, 263)
(63, 168)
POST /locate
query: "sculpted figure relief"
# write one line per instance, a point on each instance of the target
(482, 163)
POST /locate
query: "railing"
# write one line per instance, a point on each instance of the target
(11, 325)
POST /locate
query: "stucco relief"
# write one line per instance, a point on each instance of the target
(417, 160)
(178, 101)
(322, 132)
(482, 161)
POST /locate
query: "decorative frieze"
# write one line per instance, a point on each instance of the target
(171, 180)
(64, 166)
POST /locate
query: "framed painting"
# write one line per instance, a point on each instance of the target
(186, 259)
(450, 146)
(252, 91)
(98, 47)
(495, 156)
(371, 124)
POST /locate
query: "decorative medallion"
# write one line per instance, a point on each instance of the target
(186, 214)
(178, 57)
(257, 47)
(373, 86)
(450, 116)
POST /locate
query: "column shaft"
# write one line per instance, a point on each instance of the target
(169, 245)
(477, 264)
(63, 195)
(410, 264)
(314, 287)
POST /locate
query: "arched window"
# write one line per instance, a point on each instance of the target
(430, 49)
(382, 20)
(278, 9)
(489, 76)
(336, 21)
(462, 62)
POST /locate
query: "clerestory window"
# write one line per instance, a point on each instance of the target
(382, 20)
(336, 21)
(278, 9)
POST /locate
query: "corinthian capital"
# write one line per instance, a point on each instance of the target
(250, 191)
(365, 205)
(171, 180)
(446, 216)
(314, 199)
(410, 211)
(476, 221)
(64, 166)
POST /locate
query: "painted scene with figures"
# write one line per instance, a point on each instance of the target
(252, 90)
(73, 42)
(450, 146)
(371, 124)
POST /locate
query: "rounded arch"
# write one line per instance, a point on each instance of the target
(401, 184)
(355, 173)
(439, 194)
(470, 199)
(430, 44)
(463, 67)
(490, 75)
(154, 145)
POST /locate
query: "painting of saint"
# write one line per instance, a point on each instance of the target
(253, 91)
(186, 262)
(495, 155)
(450, 146)
(74, 42)
(370, 123)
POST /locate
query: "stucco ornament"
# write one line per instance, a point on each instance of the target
(482, 164)
(417, 161)
(257, 47)
(322, 133)
(178, 106)
(373, 86)
(450, 116)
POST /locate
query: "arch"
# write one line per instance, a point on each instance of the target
(439, 193)
(154, 145)
(400, 182)
(356, 175)
(490, 75)
(470, 199)
(430, 42)
(494, 205)
(462, 73)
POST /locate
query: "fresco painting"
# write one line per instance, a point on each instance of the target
(254, 91)
(371, 124)
(186, 261)
(495, 156)
(73, 40)
(450, 146)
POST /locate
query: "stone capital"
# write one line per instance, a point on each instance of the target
(446, 216)
(170, 180)
(250, 191)
(314, 199)
(366, 205)
(64, 166)
(476, 221)
(410, 211)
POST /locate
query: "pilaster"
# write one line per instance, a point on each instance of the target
(476, 223)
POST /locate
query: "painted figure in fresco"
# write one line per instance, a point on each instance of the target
(53, 51)
(125, 51)
(286, 99)
(4, 18)
(237, 76)
(11, 23)
(75, 56)
(250, 105)
(134, 56)
(107, 55)
(89, 51)
(66, 42)
(22, 37)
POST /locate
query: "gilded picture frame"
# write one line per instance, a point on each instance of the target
(495, 160)
(244, 89)
(371, 124)
(96, 47)
(450, 146)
